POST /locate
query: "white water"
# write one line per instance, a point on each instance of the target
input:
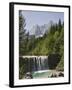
(39, 62)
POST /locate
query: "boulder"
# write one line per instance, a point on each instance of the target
(53, 75)
(28, 75)
(61, 74)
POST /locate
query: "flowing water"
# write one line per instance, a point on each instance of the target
(37, 63)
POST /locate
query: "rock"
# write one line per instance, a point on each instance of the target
(56, 74)
(28, 75)
(53, 75)
(61, 74)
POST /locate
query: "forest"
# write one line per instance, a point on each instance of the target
(52, 42)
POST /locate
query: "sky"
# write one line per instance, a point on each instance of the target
(41, 17)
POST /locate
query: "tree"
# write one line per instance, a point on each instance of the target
(22, 34)
(22, 24)
(59, 25)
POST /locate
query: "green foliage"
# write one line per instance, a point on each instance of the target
(22, 24)
(25, 65)
(60, 66)
(22, 68)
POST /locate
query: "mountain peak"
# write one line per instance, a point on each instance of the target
(39, 31)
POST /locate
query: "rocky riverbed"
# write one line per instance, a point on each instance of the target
(44, 74)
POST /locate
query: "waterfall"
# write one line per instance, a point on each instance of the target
(36, 63)
(40, 63)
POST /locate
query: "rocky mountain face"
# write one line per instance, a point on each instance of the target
(39, 31)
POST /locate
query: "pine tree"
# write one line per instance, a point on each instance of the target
(22, 24)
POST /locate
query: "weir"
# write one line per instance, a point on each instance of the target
(36, 63)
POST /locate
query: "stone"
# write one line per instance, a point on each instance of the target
(61, 74)
(28, 75)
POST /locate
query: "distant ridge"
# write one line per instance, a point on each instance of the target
(39, 31)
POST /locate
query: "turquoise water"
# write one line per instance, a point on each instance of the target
(44, 74)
